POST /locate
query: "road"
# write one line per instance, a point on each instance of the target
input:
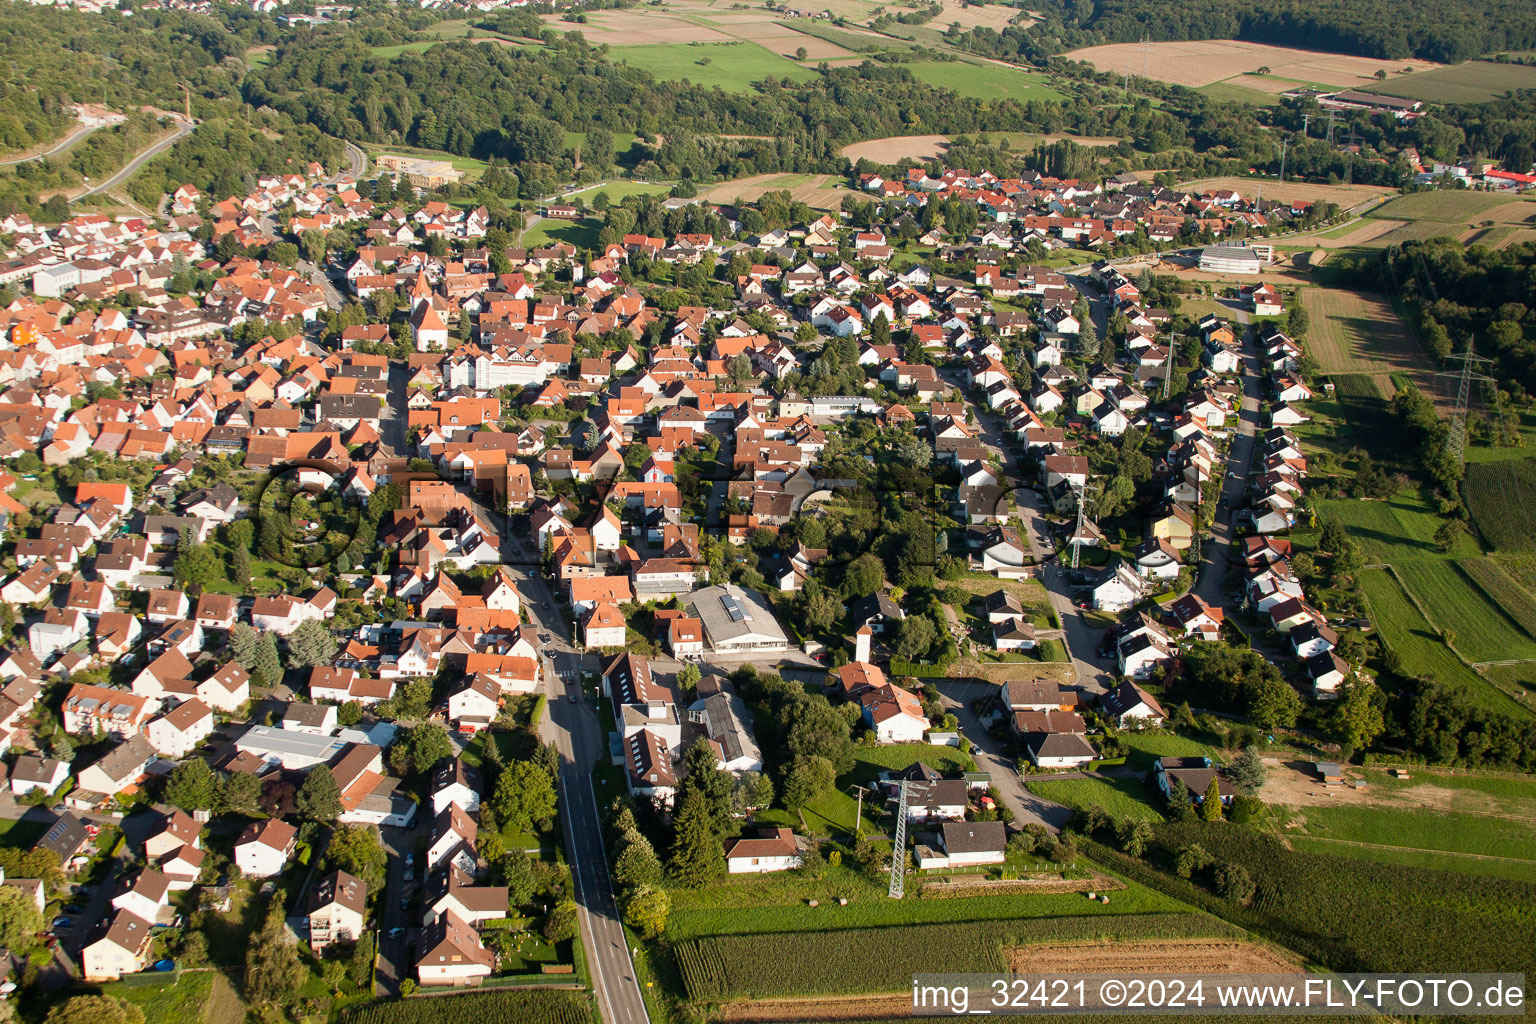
(1081, 640)
(395, 961)
(574, 729)
(357, 161)
(1217, 554)
(993, 759)
(182, 131)
(64, 146)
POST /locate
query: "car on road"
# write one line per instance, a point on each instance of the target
(74, 908)
(62, 922)
(405, 903)
(395, 933)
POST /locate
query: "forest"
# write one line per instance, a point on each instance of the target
(1447, 31)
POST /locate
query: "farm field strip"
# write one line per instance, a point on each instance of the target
(1517, 602)
(1194, 63)
(1405, 631)
(1360, 332)
(1476, 81)
(1345, 196)
(1482, 631)
(1501, 497)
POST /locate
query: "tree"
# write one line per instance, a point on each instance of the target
(269, 664)
(1134, 834)
(697, 856)
(196, 565)
(560, 925)
(864, 576)
(319, 797)
(524, 798)
(356, 850)
(20, 919)
(95, 1010)
(1190, 859)
(350, 713)
(517, 871)
(310, 645)
(1179, 802)
(1448, 533)
(911, 450)
(1381, 74)
(647, 911)
(800, 53)
(240, 793)
(1357, 718)
(243, 645)
(820, 729)
(751, 790)
(1247, 770)
(273, 971)
(688, 677)
(191, 786)
(914, 637)
(240, 567)
(1233, 883)
(360, 964)
(1272, 702)
(637, 865)
(702, 774)
(1210, 805)
(808, 778)
(420, 749)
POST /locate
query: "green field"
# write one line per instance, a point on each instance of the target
(1420, 830)
(1445, 206)
(1397, 530)
(984, 81)
(1502, 499)
(835, 811)
(1476, 81)
(1483, 632)
(1501, 587)
(580, 233)
(1231, 92)
(1405, 631)
(731, 66)
(618, 191)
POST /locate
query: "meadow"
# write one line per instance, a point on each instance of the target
(984, 81)
(1483, 632)
(1405, 631)
(1360, 332)
(1394, 531)
(1420, 829)
(1118, 797)
(732, 66)
(580, 233)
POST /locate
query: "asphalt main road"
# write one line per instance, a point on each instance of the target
(64, 146)
(182, 131)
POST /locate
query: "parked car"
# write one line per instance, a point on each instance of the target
(395, 933)
(62, 922)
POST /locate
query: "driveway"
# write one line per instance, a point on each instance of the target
(990, 757)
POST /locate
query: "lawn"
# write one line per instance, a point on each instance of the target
(834, 811)
(1232, 92)
(185, 1000)
(1146, 747)
(15, 833)
(580, 233)
(984, 81)
(618, 191)
(729, 66)
(1454, 603)
(1119, 797)
(1404, 630)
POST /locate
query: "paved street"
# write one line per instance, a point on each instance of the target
(394, 960)
(991, 758)
(182, 131)
(1217, 555)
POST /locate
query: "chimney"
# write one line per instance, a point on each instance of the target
(861, 641)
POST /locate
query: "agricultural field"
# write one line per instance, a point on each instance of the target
(901, 147)
(1476, 81)
(1195, 63)
(984, 81)
(1502, 499)
(737, 967)
(994, 16)
(1360, 333)
(1456, 606)
(1343, 196)
(731, 65)
(1449, 211)
(1396, 531)
(519, 1006)
(1354, 914)
(1404, 630)
(1507, 842)
(819, 191)
(1503, 590)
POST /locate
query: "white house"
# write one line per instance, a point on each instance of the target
(32, 772)
(338, 908)
(118, 945)
(769, 850)
(177, 733)
(1128, 704)
(896, 715)
(452, 953)
(455, 783)
(264, 847)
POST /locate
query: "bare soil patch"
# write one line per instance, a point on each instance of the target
(1195, 956)
(1203, 62)
(889, 151)
(1293, 785)
(993, 16)
(823, 191)
(635, 28)
(1364, 233)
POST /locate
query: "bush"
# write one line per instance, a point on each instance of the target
(1233, 883)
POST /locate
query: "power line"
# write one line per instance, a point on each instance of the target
(899, 852)
(1456, 439)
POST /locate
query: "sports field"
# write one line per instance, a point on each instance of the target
(1195, 63)
(1359, 332)
(1476, 81)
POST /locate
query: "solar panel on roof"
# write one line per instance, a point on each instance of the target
(731, 607)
